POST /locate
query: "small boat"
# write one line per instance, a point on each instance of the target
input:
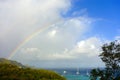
(78, 72)
(64, 72)
(87, 73)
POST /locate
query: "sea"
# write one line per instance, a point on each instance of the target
(74, 74)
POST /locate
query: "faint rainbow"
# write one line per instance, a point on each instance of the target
(29, 38)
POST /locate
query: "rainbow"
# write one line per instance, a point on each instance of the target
(27, 39)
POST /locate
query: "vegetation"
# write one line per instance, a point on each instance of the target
(111, 57)
(14, 72)
(3, 60)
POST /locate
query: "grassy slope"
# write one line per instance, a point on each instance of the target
(13, 72)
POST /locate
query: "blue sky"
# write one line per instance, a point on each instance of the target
(57, 33)
(106, 11)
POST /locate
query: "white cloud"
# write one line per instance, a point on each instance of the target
(89, 47)
(80, 12)
(20, 18)
(117, 37)
(30, 14)
(52, 33)
(29, 50)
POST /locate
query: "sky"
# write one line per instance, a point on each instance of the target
(57, 33)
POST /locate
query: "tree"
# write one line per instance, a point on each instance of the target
(111, 57)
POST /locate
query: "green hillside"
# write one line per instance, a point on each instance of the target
(6, 61)
(10, 71)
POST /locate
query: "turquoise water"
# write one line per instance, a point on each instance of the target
(76, 77)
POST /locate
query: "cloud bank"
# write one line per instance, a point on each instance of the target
(62, 42)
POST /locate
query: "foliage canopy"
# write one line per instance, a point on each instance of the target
(111, 57)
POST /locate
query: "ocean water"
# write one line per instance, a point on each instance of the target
(77, 77)
(74, 74)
